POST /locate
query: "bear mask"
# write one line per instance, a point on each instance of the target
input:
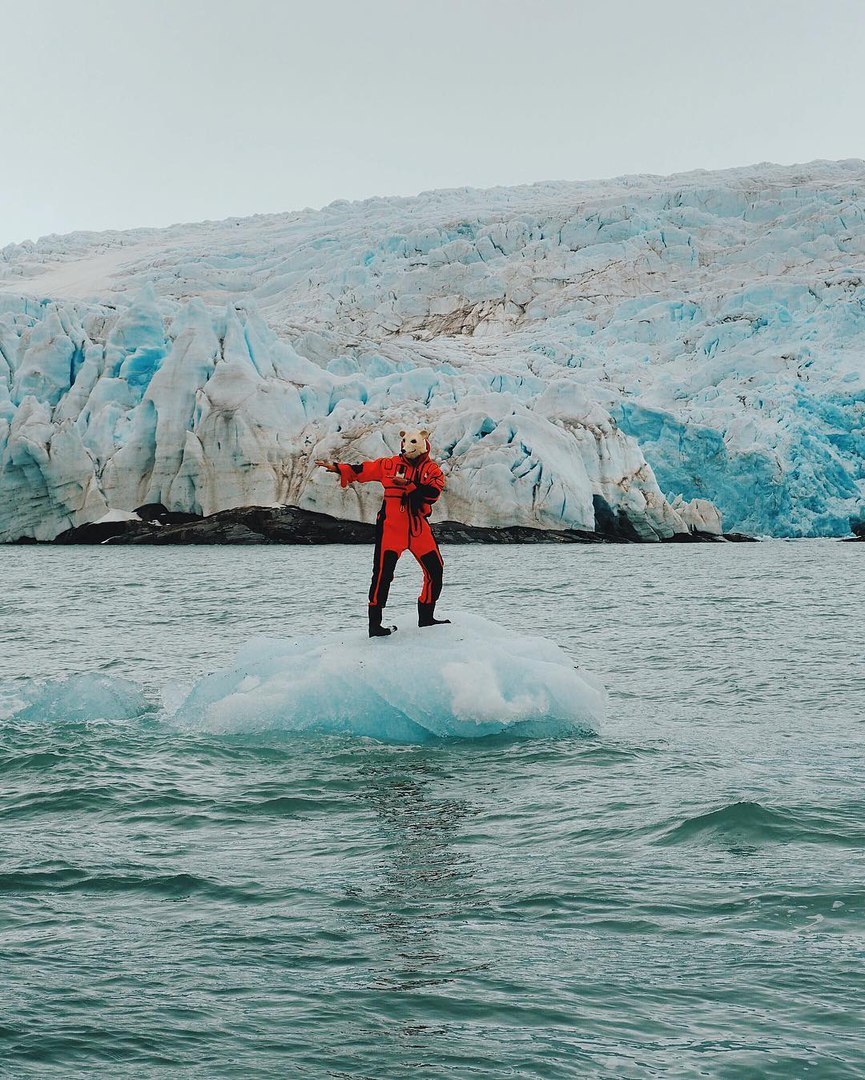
(414, 444)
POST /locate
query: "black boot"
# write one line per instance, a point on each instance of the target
(426, 615)
(375, 627)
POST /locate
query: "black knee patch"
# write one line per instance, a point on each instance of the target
(382, 576)
(432, 563)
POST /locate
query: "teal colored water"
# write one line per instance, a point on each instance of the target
(682, 895)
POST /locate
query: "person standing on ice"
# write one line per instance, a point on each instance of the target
(412, 482)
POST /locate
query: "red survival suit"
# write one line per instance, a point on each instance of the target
(411, 486)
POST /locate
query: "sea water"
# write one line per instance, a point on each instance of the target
(679, 895)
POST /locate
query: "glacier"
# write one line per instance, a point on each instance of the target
(681, 353)
(468, 680)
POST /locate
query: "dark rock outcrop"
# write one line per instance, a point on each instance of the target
(291, 525)
(739, 538)
(163, 516)
(96, 532)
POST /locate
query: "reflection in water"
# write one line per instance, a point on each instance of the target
(423, 888)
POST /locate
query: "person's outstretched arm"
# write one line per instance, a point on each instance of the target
(355, 474)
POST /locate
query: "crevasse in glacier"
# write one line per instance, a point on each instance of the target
(660, 344)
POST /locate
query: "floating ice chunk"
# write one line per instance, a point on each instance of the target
(464, 681)
(76, 699)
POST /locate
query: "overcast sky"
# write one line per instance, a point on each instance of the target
(117, 113)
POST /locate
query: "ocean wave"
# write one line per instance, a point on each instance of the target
(62, 800)
(169, 886)
(749, 822)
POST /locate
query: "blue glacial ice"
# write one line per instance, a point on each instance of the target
(76, 699)
(469, 680)
(675, 349)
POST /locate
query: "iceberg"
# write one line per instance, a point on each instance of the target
(78, 699)
(468, 680)
(666, 353)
